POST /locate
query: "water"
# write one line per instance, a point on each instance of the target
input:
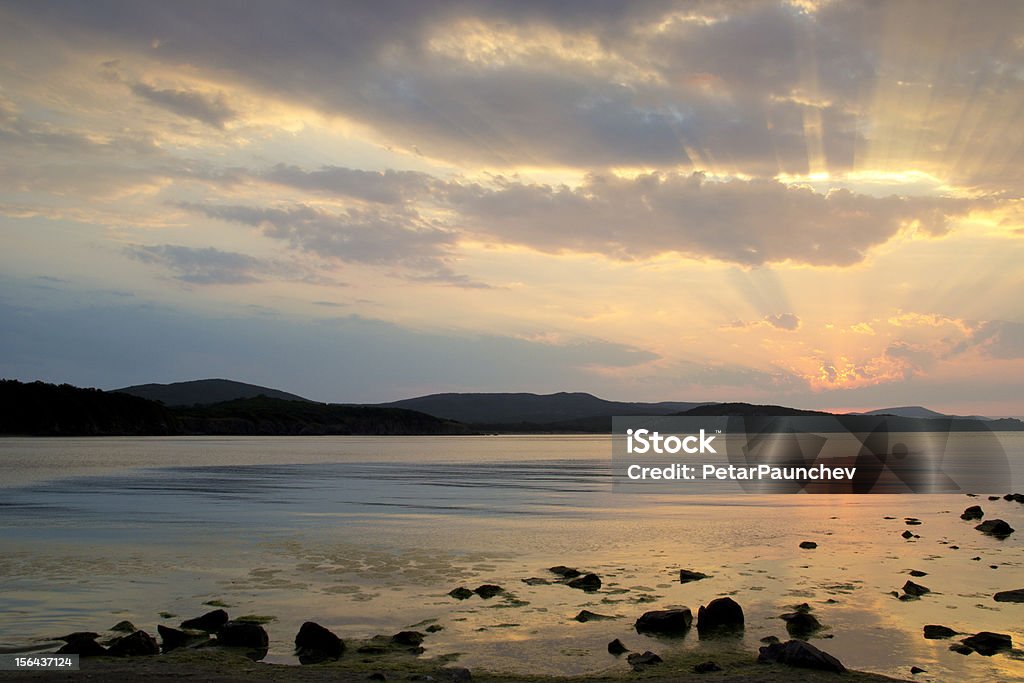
(368, 534)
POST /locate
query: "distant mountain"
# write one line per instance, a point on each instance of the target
(204, 392)
(536, 409)
(747, 410)
(919, 411)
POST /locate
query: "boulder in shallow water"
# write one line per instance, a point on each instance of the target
(808, 545)
(667, 621)
(995, 527)
(243, 634)
(799, 653)
(973, 512)
(915, 589)
(314, 644)
(987, 643)
(587, 582)
(173, 639)
(488, 590)
(720, 614)
(616, 647)
(937, 632)
(209, 622)
(1016, 595)
(688, 575)
(83, 644)
(586, 615)
(407, 638)
(138, 644)
(124, 627)
(565, 572)
(460, 593)
(800, 624)
(640, 661)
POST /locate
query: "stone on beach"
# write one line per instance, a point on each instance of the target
(460, 593)
(138, 644)
(720, 613)
(315, 643)
(410, 638)
(987, 643)
(209, 622)
(587, 582)
(973, 512)
(488, 590)
(808, 545)
(917, 573)
(83, 644)
(565, 572)
(915, 589)
(172, 638)
(937, 632)
(666, 621)
(907, 534)
(1016, 595)
(688, 575)
(124, 627)
(616, 647)
(242, 634)
(640, 661)
(586, 615)
(995, 527)
(799, 653)
(800, 624)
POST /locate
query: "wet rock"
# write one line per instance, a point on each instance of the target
(720, 613)
(995, 527)
(706, 667)
(952, 547)
(535, 581)
(917, 670)
(617, 647)
(808, 545)
(1016, 595)
(242, 634)
(912, 521)
(993, 497)
(434, 628)
(666, 621)
(640, 661)
(973, 512)
(124, 627)
(83, 644)
(960, 649)
(1017, 497)
(688, 575)
(802, 607)
(937, 631)
(587, 582)
(987, 643)
(976, 558)
(800, 624)
(799, 653)
(565, 572)
(460, 593)
(172, 638)
(211, 622)
(138, 644)
(917, 573)
(314, 643)
(488, 590)
(586, 615)
(407, 638)
(907, 534)
(770, 639)
(915, 589)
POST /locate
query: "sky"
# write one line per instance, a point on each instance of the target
(811, 203)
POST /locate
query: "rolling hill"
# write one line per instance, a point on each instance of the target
(204, 392)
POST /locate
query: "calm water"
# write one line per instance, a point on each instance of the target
(367, 535)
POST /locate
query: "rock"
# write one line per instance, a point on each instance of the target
(993, 497)
(314, 643)
(408, 638)
(800, 654)
(770, 639)
(808, 545)
(535, 581)
(460, 593)
(1016, 595)
(565, 572)
(1017, 497)
(973, 512)
(800, 624)
(210, 622)
(976, 558)
(688, 575)
(83, 644)
(720, 613)
(995, 527)
(639, 661)
(987, 643)
(802, 607)
(172, 638)
(952, 547)
(241, 634)
(937, 631)
(706, 667)
(488, 590)
(586, 615)
(917, 573)
(915, 589)
(616, 647)
(666, 621)
(917, 670)
(434, 628)
(124, 627)
(960, 649)
(587, 582)
(907, 534)
(912, 521)
(138, 644)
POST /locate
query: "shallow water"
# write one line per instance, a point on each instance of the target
(368, 535)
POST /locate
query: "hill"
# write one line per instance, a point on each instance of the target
(204, 392)
(532, 409)
(920, 412)
(747, 410)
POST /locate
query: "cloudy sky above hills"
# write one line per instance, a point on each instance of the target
(810, 203)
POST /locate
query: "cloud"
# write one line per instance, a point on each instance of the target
(207, 266)
(745, 222)
(1001, 339)
(783, 321)
(387, 187)
(212, 110)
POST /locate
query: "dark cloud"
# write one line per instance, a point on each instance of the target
(1000, 339)
(745, 222)
(207, 266)
(212, 110)
(387, 187)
